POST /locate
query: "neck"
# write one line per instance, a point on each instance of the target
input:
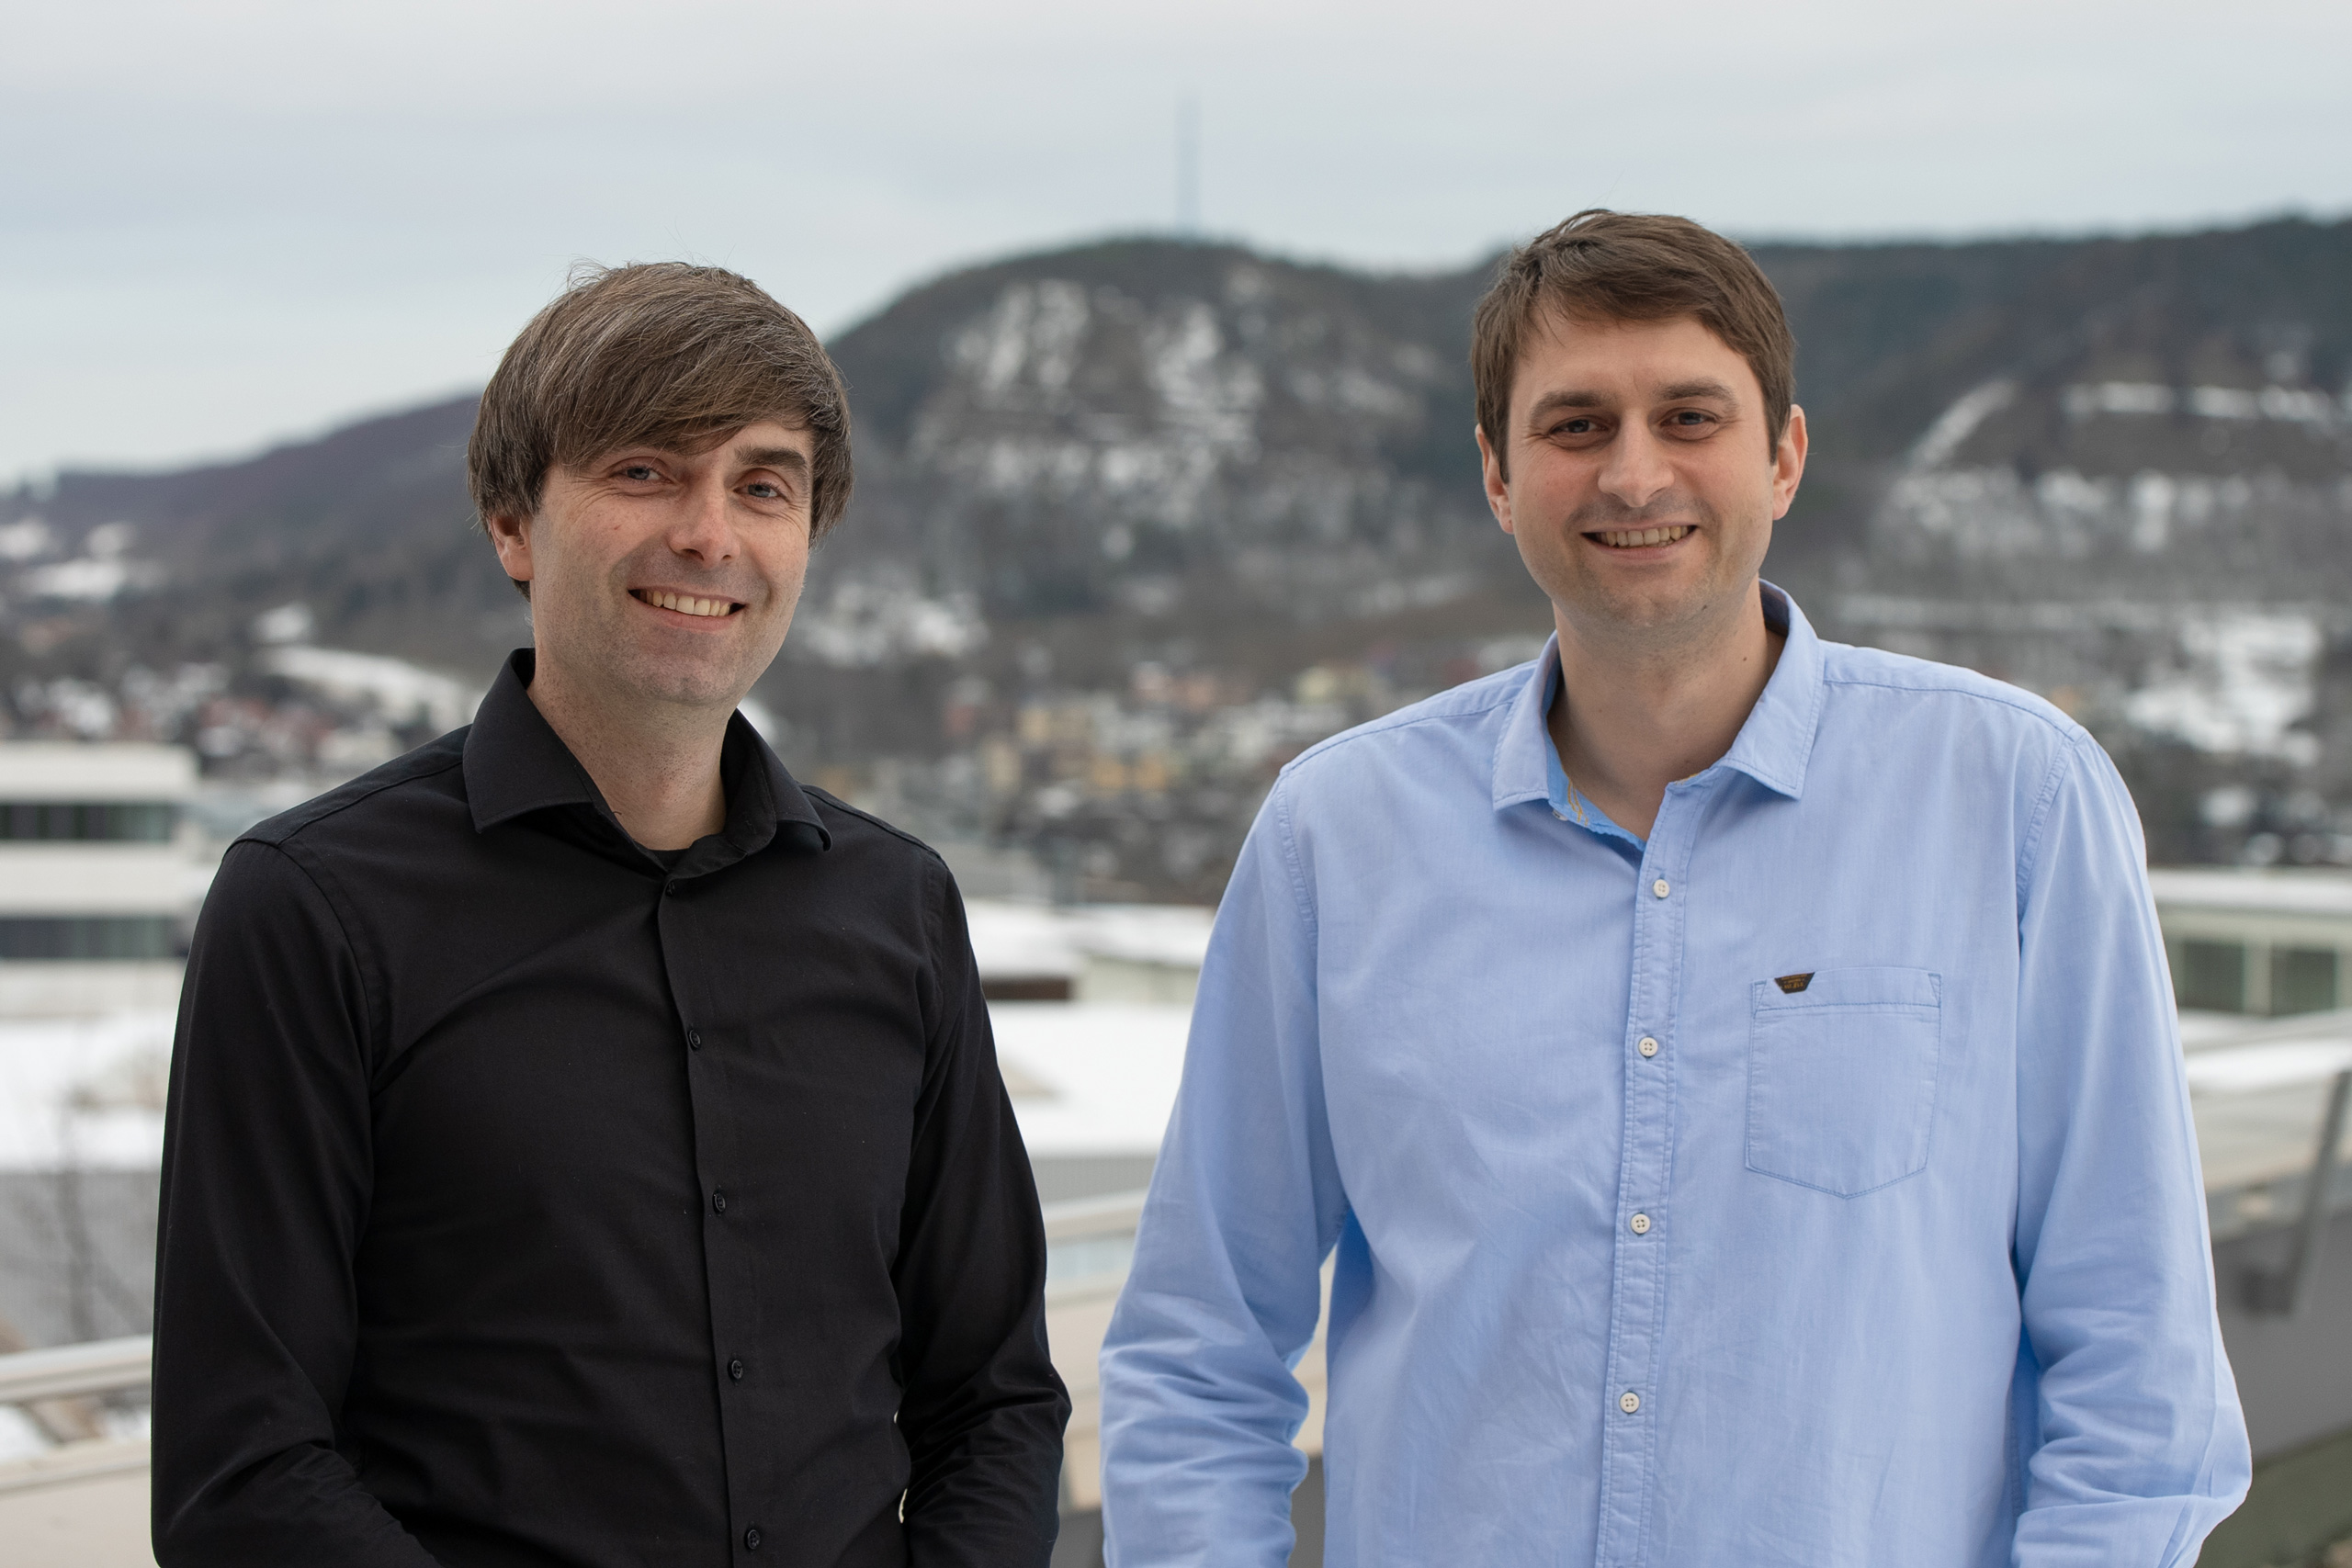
(656, 764)
(1635, 715)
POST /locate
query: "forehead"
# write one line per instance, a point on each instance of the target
(1624, 361)
(762, 440)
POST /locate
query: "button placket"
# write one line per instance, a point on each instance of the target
(680, 921)
(1629, 1454)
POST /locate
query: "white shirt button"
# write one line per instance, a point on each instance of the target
(1641, 1223)
(1629, 1402)
(1648, 1047)
(1660, 887)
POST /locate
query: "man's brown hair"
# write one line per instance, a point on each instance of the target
(1630, 267)
(659, 354)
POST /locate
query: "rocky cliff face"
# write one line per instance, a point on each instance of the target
(1167, 432)
(1135, 521)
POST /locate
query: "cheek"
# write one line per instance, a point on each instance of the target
(1554, 495)
(1735, 490)
(787, 571)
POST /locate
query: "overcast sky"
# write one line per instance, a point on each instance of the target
(227, 223)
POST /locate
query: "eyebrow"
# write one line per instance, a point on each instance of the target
(1567, 400)
(1680, 391)
(790, 457)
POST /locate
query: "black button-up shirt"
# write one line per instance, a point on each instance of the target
(527, 1200)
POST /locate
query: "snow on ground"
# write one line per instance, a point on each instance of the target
(2242, 682)
(402, 692)
(86, 1093)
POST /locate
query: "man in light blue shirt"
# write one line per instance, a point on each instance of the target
(1734, 1074)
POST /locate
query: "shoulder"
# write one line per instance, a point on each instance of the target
(1913, 719)
(1875, 677)
(433, 768)
(874, 854)
(900, 881)
(867, 833)
(1462, 721)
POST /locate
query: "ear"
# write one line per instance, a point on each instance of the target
(512, 536)
(1787, 464)
(1498, 487)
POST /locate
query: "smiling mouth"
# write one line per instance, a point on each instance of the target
(684, 604)
(1635, 538)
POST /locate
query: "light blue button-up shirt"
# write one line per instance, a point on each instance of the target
(1811, 1183)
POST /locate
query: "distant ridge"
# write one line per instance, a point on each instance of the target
(1148, 452)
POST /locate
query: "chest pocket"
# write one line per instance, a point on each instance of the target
(1842, 1077)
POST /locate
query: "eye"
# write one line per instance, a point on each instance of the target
(1580, 426)
(643, 473)
(1690, 419)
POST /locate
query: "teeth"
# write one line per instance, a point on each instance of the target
(1631, 538)
(686, 604)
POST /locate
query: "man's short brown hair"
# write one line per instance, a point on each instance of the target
(1631, 267)
(658, 354)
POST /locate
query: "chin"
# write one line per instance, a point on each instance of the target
(685, 685)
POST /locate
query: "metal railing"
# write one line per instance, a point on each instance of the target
(75, 1372)
(60, 1389)
(2285, 1289)
(2289, 1055)
(1089, 1244)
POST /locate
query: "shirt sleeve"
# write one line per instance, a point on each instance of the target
(2133, 1443)
(1199, 1402)
(265, 1186)
(982, 1409)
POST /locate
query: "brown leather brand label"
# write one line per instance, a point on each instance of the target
(1792, 984)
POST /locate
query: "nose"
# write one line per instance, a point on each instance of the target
(703, 528)
(1637, 471)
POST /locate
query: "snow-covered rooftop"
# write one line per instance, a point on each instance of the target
(1174, 934)
(1012, 939)
(1024, 940)
(1091, 1078)
(2276, 1064)
(82, 878)
(1088, 1078)
(70, 770)
(2278, 892)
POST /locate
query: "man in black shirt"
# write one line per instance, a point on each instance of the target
(586, 1146)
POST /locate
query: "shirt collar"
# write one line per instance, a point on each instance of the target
(1773, 745)
(1776, 743)
(514, 763)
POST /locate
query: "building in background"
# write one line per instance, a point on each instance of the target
(2266, 943)
(99, 877)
